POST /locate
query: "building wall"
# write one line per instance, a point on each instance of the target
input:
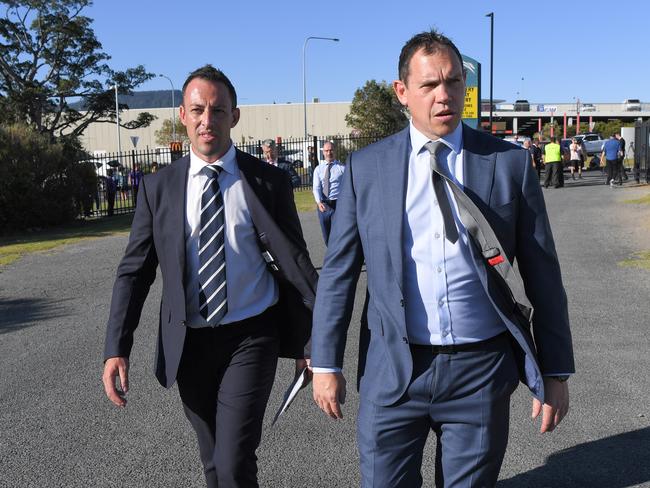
(256, 122)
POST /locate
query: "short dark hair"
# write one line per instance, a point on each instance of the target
(553, 138)
(210, 73)
(431, 41)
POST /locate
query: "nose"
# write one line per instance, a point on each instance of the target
(206, 118)
(443, 93)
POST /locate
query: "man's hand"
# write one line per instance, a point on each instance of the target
(322, 207)
(329, 393)
(116, 367)
(556, 404)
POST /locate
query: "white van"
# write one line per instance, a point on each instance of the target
(632, 104)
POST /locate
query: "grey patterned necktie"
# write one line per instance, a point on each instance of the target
(451, 232)
(213, 303)
(326, 180)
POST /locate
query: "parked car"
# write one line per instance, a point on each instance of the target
(593, 142)
(522, 106)
(632, 104)
(519, 140)
(587, 107)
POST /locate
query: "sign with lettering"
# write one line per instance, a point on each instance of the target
(472, 109)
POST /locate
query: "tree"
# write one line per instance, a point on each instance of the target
(375, 110)
(41, 182)
(49, 56)
(165, 134)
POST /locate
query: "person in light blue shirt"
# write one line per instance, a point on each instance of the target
(327, 177)
(441, 349)
(610, 150)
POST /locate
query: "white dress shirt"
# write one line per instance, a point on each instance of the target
(250, 287)
(445, 299)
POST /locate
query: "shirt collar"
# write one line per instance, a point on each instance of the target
(228, 162)
(454, 140)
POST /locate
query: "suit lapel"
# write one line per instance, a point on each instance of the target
(176, 199)
(392, 164)
(478, 168)
(253, 178)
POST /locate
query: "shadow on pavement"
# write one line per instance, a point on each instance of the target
(25, 312)
(613, 462)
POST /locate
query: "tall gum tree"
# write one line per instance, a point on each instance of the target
(51, 58)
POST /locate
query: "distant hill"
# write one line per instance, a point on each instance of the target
(144, 100)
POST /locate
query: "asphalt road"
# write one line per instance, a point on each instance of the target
(58, 430)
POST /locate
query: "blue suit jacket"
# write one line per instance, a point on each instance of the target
(158, 239)
(368, 225)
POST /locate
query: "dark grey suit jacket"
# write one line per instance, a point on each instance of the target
(368, 226)
(157, 238)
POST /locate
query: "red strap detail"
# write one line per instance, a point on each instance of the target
(496, 260)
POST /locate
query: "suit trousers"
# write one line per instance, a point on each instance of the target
(325, 219)
(225, 378)
(464, 398)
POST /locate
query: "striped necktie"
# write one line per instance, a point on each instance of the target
(213, 303)
(451, 232)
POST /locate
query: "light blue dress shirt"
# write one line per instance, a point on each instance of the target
(445, 300)
(336, 172)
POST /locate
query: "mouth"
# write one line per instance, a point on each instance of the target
(206, 136)
(445, 115)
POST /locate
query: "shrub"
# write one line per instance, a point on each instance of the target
(41, 182)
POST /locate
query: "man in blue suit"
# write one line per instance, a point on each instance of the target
(439, 348)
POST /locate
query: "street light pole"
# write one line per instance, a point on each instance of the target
(304, 78)
(173, 107)
(117, 116)
(491, 15)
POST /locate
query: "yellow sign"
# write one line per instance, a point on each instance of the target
(470, 111)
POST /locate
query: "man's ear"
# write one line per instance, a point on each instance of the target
(401, 91)
(181, 114)
(235, 117)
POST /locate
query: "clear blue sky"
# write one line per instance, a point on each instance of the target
(594, 50)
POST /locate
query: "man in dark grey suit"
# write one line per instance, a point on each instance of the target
(238, 284)
(440, 349)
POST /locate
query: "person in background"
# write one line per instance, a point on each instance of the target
(111, 190)
(326, 188)
(537, 157)
(575, 158)
(135, 176)
(610, 150)
(270, 152)
(553, 164)
(154, 167)
(621, 156)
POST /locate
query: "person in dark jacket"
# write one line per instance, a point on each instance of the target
(270, 152)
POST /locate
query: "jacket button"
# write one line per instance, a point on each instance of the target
(183, 323)
(402, 302)
(405, 340)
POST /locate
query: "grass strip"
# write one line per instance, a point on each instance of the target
(644, 200)
(15, 246)
(639, 259)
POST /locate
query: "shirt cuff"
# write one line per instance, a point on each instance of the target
(325, 370)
